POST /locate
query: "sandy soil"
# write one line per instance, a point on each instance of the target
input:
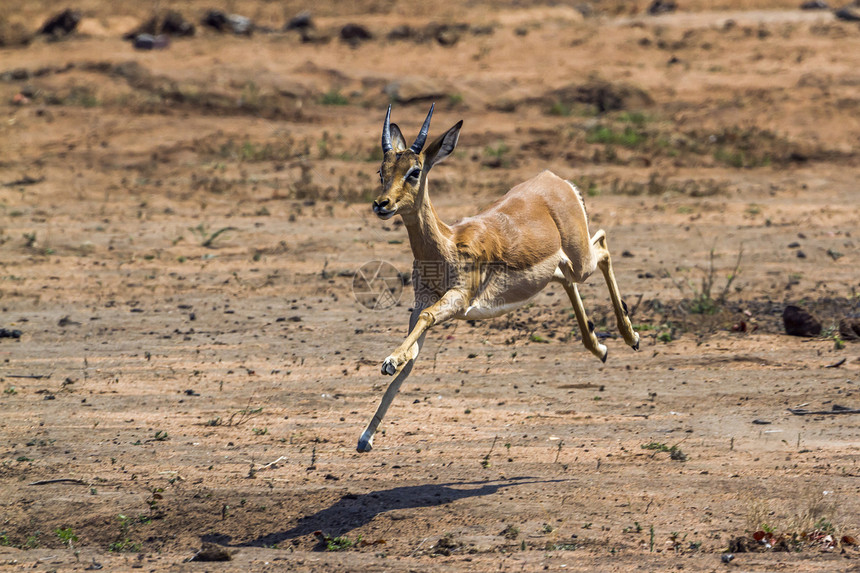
(179, 230)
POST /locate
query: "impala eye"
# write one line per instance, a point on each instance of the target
(414, 174)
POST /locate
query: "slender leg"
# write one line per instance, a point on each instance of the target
(586, 327)
(604, 263)
(404, 358)
(365, 443)
(451, 303)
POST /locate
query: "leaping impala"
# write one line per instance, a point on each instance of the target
(490, 264)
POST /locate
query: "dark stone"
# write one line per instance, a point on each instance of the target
(150, 42)
(61, 24)
(447, 35)
(848, 14)
(662, 7)
(798, 322)
(355, 34)
(222, 22)
(215, 19)
(849, 328)
(301, 21)
(815, 5)
(174, 24)
(6, 333)
(741, 545)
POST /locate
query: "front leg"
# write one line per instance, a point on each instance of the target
(365, 442)
(452, 303)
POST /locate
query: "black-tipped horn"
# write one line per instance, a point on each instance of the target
(386, 133)
(422, 135)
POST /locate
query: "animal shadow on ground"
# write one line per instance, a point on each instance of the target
(354, 510)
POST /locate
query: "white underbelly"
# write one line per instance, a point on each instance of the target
(511, 290)
(488, 309)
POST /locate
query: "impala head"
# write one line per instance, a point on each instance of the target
(404, 169)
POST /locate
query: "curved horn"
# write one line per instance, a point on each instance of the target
(422, 135)
(386, 133)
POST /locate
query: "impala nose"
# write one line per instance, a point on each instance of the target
(379, 207)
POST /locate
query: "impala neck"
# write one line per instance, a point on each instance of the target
(429, 236)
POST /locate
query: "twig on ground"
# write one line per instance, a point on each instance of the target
(271, 464)
(59, 480)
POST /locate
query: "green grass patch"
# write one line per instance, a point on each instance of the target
(334, 97)
(629, 137)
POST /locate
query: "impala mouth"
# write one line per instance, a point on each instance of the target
(382, 212)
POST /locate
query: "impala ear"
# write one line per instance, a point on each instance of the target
(443, 146)
(397, 140)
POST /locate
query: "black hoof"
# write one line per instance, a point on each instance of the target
(635, 347)
(388, 368)
(605, 354)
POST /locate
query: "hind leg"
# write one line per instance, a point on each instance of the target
(604, 263)
(586, 327)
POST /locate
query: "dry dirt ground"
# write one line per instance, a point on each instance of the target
(179, 230)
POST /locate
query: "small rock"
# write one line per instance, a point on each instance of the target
(798, 322)
(727, 557)
(218, 20)
(150, 42)
(212, 552)
(662, 7)
(300, 21)
(849, 328)
(815, 5)
(240, 25)
(171, 23)
(848, 14)
(354, 34)
(740, 545)
(448, 35)
(760, 422)
(6, 333)
(175, 24)
(801, 255)
(61, 24)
